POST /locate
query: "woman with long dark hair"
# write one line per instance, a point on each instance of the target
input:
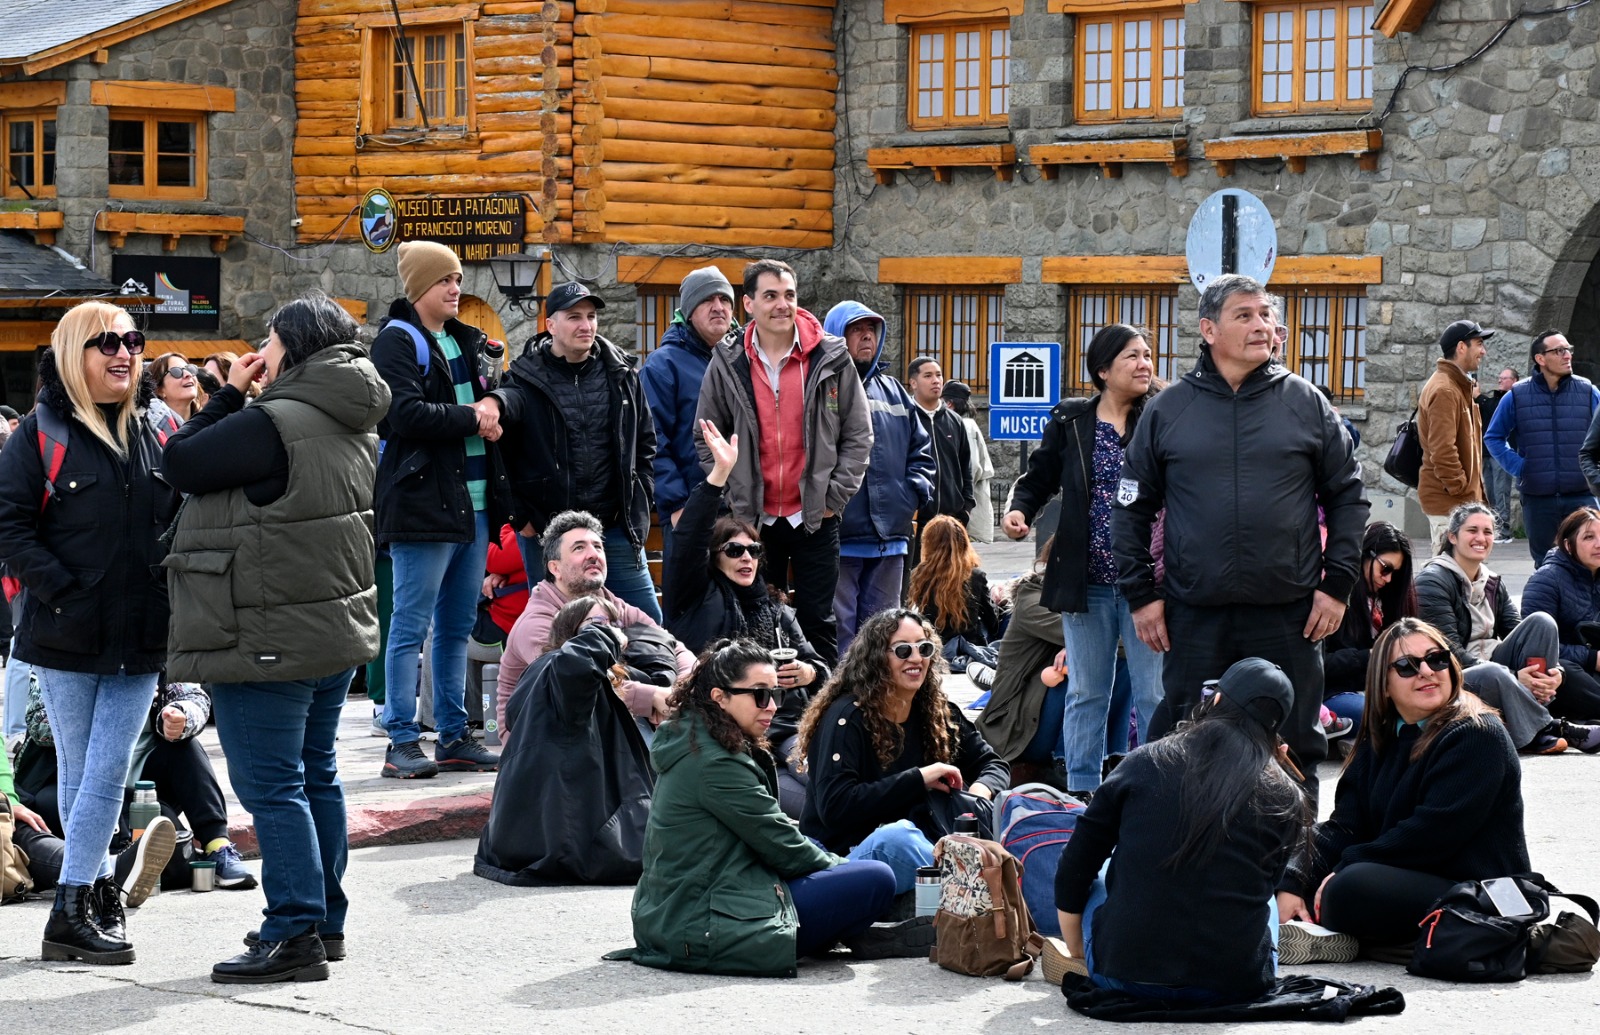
(891, 760)
(729, 885)
(1383, 595)
(1567, 588)
(1431, 796)
(952, 591)
(174, 382)
(1081, 455)
(1203, 823)
(82, 511)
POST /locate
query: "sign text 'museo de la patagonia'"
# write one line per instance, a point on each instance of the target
(475, 227)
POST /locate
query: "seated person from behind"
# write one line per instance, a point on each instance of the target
(952, 591)
(891, 761)
(573, 548)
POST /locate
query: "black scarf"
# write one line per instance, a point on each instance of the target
(757, 612)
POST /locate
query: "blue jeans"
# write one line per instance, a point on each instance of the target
(96, 721)
(627, 571)
(1497, 483)
(279, 741)
(867, 586)
(900, 844)
(1091, 670)
(839, 903)
(435, 584)
(16, 697)
(1541, 516)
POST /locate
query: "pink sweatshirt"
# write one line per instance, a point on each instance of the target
(531, 632)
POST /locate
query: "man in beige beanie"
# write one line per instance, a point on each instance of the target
(440, 495)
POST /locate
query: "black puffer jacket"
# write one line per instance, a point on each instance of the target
(536, 443)
(1241, 475)
(421, 493)
(90, 564)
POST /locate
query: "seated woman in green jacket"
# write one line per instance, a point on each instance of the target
(730, 886)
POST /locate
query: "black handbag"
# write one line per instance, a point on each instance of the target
(1404, 462)
(1464, 937)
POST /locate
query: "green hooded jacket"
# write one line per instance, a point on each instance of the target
(716, 854)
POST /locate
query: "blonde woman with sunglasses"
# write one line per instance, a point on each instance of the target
(81, 518)
(892, 762)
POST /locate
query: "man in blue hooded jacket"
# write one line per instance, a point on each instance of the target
(875, 533)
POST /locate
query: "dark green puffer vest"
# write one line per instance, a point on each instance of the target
(285, 591)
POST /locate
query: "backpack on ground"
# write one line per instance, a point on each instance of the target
(1466, 938)
(982, 927)
(1035, 823)
(15, 882)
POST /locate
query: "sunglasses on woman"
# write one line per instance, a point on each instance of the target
(734, 551)
(1409, 667)
(762, 695)
(108, 342)
(903, 651)
(1386, 568)
(179, 372)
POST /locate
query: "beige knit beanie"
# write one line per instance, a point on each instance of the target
(423, 264)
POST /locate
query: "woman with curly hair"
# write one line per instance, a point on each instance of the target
(953, 592)
(892, 761)
(730, 886)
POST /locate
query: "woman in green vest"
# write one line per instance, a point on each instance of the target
(273, 606)
(730, 885)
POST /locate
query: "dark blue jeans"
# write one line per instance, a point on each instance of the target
(839, 903)
(279, 741)
(1541, 516)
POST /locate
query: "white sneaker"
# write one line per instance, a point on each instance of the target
(378, 728)
(982, 675)
(1300, 941)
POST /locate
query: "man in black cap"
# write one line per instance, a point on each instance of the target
(1548, 414)
(580, 437)
(1451, 428)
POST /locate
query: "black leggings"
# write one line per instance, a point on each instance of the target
(186, 784)
(1380, 904)
(1579, 696)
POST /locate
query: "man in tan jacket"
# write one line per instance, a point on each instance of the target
(1451, 429)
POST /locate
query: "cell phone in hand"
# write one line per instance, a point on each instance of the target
(1539, 665)
(1508, 899)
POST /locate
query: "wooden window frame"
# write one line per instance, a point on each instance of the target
(151, 157)
(9, 187)
(969, 365)
(1119, 111)
(1342, 99)
(379, 68)
(1338, 314)
(1153, 306)
(652, 315)
(986, 61)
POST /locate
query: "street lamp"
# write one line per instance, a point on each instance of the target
(517, 276)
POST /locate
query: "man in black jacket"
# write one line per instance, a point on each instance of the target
(582, 438)
(1241, 454)
(440, 493)
(952, 455)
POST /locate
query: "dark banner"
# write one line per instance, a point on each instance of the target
(188, 289)
(475, 227)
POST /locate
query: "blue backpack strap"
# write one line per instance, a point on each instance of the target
(419, 340)
(53, 438)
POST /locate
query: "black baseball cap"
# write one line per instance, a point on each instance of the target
(1460, 331)
(8, 413)
(568, 295)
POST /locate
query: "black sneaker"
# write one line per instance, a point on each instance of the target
(903, 939)
(301, 958)
(407, 762)
(332, 944)
(1584, 738)
(465, 756)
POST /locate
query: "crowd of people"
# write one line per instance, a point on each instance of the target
(766, 751)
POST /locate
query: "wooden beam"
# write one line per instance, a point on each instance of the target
(1114, 269)
(885, 161)
(671, 269)
(738, 237)
(951, 269)
(33, 64)
(1364, 144)
(197, 348)
(170, 227)
(904, 12)
(1110, 155)
(1110, 6)
(43, 225)
(1402, 16)
(420, 16)
(1327, 269)
(38, 94)
(355, 307)
(114, 93)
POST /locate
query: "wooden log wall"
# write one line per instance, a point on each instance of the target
(638, 121)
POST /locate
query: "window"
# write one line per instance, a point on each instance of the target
(1328, 337)
(1092, 307)
(29, 151)
(955, 326)
(438, 60)
(652, 315)
(156, 155)
(961, 75)
(1130, 66)
(1313, 57)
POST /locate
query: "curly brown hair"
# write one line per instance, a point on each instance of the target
(725, 663)
(864, 673)
(939, 581)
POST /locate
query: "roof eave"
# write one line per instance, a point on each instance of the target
(33, 64)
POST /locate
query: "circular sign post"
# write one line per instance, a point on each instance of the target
(1231, 232)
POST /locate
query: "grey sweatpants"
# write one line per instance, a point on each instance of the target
(1495, 680)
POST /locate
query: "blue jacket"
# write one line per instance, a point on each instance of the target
(1563, 589)
(671, 376)
(877, 520)
(1549, 428)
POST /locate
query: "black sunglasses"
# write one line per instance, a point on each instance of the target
(179, 371)
(108, 342)
(734, 551)
(903, 650)
(762, 695)
(1409, 667)
(1387, 568)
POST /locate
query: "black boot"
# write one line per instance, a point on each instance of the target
(107, 906)
(71, 933)
(301, 958)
